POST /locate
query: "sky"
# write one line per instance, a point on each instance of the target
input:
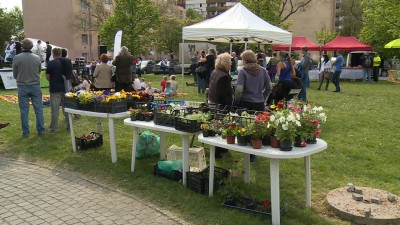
(9, 4)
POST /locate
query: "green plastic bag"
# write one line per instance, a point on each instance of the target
(147, 145)
(169, 166)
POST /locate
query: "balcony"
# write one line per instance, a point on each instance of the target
(218, 8)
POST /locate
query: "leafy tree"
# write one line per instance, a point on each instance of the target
(99, 11)
(11, 24)
(137, 19)
(381, 23)
(169, 34)
(275, 12)
(325, 35)
(351, 18)
(193, 15)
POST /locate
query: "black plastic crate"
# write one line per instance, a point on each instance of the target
(186, 125)
(175, 175)
(110, 107)
(83, 144)
(71, 103)
(198, 182)
(164, 119)
(86, 107)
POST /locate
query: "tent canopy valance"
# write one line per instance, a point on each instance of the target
(236, 25)
(346, 43)
(297, 44)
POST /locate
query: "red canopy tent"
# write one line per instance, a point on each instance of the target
(346, 43)
(297, 44)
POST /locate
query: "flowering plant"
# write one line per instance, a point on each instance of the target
(313, 117)
(70, 95)
(205, 126)
(230, 129)
(133, 112)
(243, 129)
(85, 97)
(258, 130)
(286, 124)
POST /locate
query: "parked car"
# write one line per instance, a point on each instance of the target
(157, 68)
(147, 66)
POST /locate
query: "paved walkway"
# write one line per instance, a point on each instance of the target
(32, 194)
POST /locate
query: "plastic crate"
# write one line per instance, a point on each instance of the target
(164, 119)
(186, 125)
(86, 107)
(177, 102)
(198, 182)
(110, 107)
(194, 104)
(83, 144)
(176, 175)
(197, 158)
(71, 103)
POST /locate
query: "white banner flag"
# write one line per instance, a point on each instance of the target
(117, 43)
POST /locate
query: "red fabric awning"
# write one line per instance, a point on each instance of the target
(297, 44)
(346, 43)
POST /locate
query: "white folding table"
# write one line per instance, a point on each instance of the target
(163, 130)
(110, 116)
(275, 155)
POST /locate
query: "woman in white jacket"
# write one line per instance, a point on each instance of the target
(325, 73)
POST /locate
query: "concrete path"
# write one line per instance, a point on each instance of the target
(32, 194)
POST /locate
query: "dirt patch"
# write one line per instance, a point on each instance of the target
(343, 204)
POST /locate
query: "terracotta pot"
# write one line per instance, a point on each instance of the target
(274, 142)
(256, 144)
(242, 140)
(230, 139)
(286, 145)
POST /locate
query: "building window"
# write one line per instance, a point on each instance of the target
(85, 39)
(84, 5)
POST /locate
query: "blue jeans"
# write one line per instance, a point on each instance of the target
(366, 74)
(33, 93)
(306, 84)
(201, 84)
(335, 80)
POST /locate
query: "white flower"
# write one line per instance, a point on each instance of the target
(272, 118)
(322, 117)
(285, 126)
(291, 118)
(298, 116)
(298, 123)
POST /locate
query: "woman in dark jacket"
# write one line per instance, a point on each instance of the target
(123, 71)
(210, 65)
(220, 89)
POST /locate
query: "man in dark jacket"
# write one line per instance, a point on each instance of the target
(57, 88)
(123, 71)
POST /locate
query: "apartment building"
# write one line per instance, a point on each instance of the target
(216, 7)
(199, 6)
(48, 20)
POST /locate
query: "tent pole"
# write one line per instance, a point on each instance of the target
(230, 49)
(183, 70)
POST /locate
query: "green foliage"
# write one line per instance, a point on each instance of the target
(381, 23)
(137, 19)
(265, 9)
(168, 34)
(351, 22)
(11, 24)
(193, 15)
(324, 35)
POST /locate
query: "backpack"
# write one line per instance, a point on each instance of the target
(367, 62)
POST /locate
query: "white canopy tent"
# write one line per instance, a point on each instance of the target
(236, 25)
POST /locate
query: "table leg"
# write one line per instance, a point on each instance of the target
(99, 126)
(246, 167)
(275, 198)
(135, 138)
(113, 145)
(212, 166)
(185, 157)
(162, 145)
(307, 162)
(71, 128)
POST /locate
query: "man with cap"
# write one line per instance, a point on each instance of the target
(26, 70)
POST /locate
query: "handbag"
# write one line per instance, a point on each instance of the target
(327, 74)
(200, 69)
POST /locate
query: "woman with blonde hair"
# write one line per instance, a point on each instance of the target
(102, 74)
(123, 70)
(220, 89)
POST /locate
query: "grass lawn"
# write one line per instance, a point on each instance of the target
(363, 148)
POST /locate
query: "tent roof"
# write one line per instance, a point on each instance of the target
(346, 43)
(297, 44)
(234, 25)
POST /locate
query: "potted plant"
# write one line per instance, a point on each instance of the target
(133, 114)
(230, 133)
(313, 117)
(265, 118)
(206, 128)
(147, 115)
(286, 129)
(86, 100)
(242, 133)
(258, 131)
